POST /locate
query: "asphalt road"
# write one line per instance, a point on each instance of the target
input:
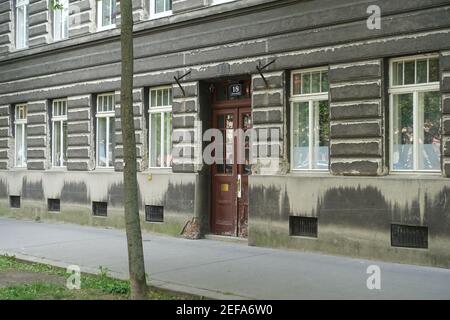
(220, 269)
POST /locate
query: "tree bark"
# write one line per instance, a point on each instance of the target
(132, 220)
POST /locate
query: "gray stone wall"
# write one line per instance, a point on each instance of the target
(39, 15)
(80, 126)
(6, 27)
(269, 123)
(356, 118)
(140, 127)
(186, 134)
(38, 136)
(445, 89)
(6, 140)
(82, 17)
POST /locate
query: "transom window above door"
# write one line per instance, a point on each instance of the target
(415, 114)
(160, 8)
(310, 123)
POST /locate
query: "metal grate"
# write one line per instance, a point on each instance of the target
(303, 226)
(154, 213)
(54, 205)
(100, 209)
(14, 202)
(409, 236)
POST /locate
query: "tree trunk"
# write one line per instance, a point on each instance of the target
(132, 221)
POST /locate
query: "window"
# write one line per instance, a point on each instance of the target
(100, 209)
(61, 21)
(160, 8)
(160, 119)
(20, 130)
(59, 133)
(21, 23)
(105, 130)
(106, 14)
(154, 213)
(310, 134)
(415, 115)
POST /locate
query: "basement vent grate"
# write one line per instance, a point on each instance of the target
(54, 205)
(303, 226)
(100, 209)
(14, 202)
(154, 213)
(409, 236)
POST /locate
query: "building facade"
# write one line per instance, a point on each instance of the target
(351, 118)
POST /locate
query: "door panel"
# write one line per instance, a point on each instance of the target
(230, 179)
(224, 176)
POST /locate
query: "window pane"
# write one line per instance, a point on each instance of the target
(315, 79)
(403, 135)
(434, 70)
(101, 142)
(155, 140)
(410, 72)
(58, 24)
(159, 6)
(301, 135)
(168, 5)
(153, 98)
(20, 146)
(21, 27)
(57, 143)
(321, 135)
(429, 117)
(422, 71)
(306, 83)
(397, 70)
(324, 81)
(64, 142)
(111, 141)
(297, 82)
(167, 139)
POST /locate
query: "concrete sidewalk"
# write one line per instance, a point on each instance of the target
(220, 269)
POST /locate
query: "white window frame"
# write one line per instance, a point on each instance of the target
(64, 13)
(22, 122)
(162, 110)
(100, 16)
(104, 114)
(58, 118)
(154, 15)
(217, 2)
(19, 4)
(414, 89)
(310, 98)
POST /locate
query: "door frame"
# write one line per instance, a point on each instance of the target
(218, 107)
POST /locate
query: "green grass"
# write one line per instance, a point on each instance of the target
(93, 287)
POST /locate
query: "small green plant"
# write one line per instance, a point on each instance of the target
(56, 5)
(106, 284)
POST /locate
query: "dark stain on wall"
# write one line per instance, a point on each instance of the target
(115, 195)
(180, 198)
(354, 206)
(75, 192)
(269, 203)
(32, 190)
(362, 207)
(3, 189)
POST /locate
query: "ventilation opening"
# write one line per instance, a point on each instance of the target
(154, 213)
(54, 205)
(100, 209)
(409, 236)
(303, 226)
(14, 202)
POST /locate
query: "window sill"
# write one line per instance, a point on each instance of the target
(106, 28)
(161, 15)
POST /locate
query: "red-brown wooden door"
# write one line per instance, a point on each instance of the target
(230, 178)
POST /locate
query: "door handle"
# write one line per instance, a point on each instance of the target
(239, 186)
